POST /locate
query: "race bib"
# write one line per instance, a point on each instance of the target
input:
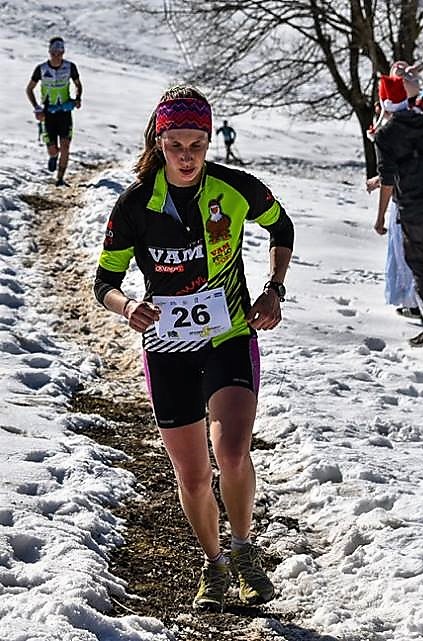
(196, 317)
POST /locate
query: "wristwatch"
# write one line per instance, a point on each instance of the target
(279, 288)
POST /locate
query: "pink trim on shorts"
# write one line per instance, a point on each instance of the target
(147, 375)
(255, 363)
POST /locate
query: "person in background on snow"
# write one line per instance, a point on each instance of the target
(399, 146)
(182, 221)
(229, 136)
(56, 104)
(399, 281)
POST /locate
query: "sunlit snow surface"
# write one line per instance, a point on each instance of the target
(341, 392)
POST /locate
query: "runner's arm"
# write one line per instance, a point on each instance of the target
(387, 170)
(35, 79)
(279, 259)
(108, 282)
(266, 313)
(271, 216)
(281, 245)
(114, 262)
(140, 314)
(385, 194)
(30, 93)
(78, 85)
(116, 301)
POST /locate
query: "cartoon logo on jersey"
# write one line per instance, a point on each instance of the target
(108, 240)
(218, 223)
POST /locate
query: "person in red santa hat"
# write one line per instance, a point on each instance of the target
(399, 281)
(392, 97)
(399, 146)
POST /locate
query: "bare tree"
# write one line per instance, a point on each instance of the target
(322, 57)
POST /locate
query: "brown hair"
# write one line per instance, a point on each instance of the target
(151, 158)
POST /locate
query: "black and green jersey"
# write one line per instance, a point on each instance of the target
(180, 255)
(55, 81)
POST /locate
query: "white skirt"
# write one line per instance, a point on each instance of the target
(399, 281)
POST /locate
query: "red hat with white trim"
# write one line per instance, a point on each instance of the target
(392, 93)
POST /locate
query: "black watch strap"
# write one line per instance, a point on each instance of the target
(277, 287)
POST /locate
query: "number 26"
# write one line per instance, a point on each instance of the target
(198, 313)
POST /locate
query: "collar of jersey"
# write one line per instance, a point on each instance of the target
(158, 198)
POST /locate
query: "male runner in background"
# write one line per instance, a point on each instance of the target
(56, 104)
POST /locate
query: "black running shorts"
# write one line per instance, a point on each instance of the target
(57, 125)
(180, 384)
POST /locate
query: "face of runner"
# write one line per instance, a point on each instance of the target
(56, 52)
(184, 151)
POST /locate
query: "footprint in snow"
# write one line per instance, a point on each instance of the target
(341, 300)
(347, 312)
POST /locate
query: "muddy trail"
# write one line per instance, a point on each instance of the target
(160, 560)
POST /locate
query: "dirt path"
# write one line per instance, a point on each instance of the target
(160, 560)
(68, 282)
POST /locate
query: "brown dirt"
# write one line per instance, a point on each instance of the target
(160, 560)
(68, 282)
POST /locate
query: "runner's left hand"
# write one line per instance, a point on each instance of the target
(266, 311)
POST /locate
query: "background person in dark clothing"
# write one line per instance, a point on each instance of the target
(229, 135)
(399, 279)
(400, 163)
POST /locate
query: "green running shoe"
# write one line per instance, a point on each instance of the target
(214, 582)
(254, 584)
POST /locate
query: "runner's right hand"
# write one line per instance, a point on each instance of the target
(141, 315)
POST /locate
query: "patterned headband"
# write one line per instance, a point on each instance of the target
(183, 113)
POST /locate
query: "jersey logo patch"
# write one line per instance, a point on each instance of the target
(170, 256)
(109, 234)
(192, 286)
(218, 223)
(221, 254)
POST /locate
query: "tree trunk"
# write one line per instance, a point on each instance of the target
(370, 155)
(364, 115)
(409, 30)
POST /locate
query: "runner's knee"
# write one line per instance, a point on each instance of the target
(192, 484)
(232, 459)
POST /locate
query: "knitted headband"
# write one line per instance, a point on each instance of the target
(183, 113)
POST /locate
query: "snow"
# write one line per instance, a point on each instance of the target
(341, 391)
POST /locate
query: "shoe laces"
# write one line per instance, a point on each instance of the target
(214, 576)
(247, 562)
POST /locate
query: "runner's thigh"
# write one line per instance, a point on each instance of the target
(174, 384)
(236, 362)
